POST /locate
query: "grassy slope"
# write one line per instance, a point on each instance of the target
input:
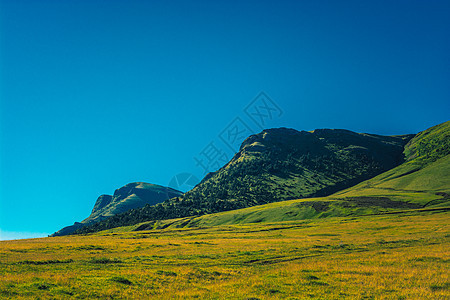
(421, 186)
(425, 174)
(372, 257)
(423, 181)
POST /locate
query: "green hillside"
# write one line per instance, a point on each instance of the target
(278, 165)
(421, 183)
(424, 175)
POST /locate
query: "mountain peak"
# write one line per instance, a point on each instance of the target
(130, 196)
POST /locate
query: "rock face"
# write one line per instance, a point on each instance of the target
(282, 163)
(101, 202)
(131, 196)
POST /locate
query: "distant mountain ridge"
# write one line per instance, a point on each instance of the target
(131, 196)
(275, 165)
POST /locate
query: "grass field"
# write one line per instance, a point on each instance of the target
(392, 256)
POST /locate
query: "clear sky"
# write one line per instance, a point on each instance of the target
(97, 94)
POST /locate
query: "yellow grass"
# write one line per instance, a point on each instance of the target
(404, 256)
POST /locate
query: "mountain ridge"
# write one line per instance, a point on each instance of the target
(420, 184)
(276, 165)
(130, 196)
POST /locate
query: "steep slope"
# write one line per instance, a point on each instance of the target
(425, 174)
(131, 196)
(422, 182)
(276, 165)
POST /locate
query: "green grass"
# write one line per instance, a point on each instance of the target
(402, 256)
(429, 145)
(431, 179)
(424, 179)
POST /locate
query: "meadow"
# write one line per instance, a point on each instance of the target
(388, 256)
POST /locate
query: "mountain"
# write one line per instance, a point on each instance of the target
(131, 196)
(421, 183)
(276, 165)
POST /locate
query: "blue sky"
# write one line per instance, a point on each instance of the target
(97, 94)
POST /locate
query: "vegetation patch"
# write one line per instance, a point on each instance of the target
(323, 234)
(430, 259)
(19, 250)
(122, 280)
(438, 287)
(166, 273)
(105, 260)
(89, 247)
(399, 243)
(45, 262)
(204, 274)
(202, 243)
(383, 202)
(44, 286)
